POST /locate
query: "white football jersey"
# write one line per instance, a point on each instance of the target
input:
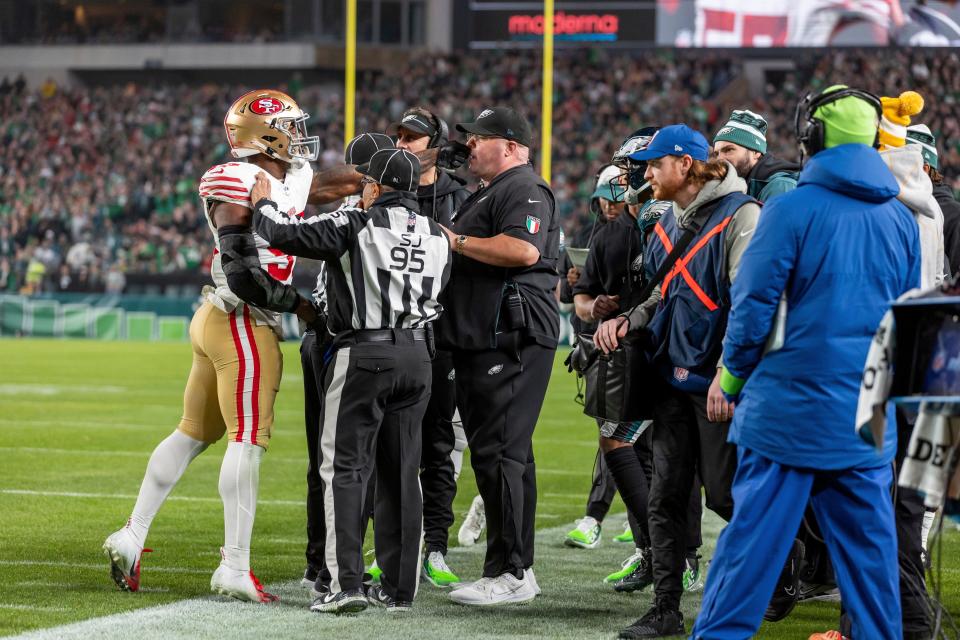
(232, 182)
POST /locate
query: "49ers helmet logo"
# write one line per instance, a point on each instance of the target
(266, 106)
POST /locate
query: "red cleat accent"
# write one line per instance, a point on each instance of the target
(264, 596)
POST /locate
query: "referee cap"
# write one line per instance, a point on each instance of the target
(394, 168)
(361, 149)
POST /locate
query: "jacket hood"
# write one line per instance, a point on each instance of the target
(446, 184)
(916, 190)
(712, 190)
(854, 170)
(769, 164)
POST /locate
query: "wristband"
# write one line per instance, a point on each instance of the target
(730, 384)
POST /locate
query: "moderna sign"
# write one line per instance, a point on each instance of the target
(567, 26)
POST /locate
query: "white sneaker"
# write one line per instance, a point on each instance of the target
(585, 535)
(473, 525)
(124, 554)
(503, 589)
(242, 585)
(532, 579)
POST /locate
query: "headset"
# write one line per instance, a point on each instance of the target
(441, 132)
(811, 132)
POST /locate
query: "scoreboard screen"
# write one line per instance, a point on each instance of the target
(492, 24)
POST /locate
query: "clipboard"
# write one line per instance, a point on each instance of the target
(578, 256)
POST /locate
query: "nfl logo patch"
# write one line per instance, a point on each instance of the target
(533, 224)
(680, 374)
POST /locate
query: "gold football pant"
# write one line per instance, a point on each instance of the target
(234, 379)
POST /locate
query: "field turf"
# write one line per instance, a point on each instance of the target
(78, 421)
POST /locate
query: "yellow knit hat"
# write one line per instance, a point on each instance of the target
(896, 118)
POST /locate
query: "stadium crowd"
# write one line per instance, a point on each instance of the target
(107, 175)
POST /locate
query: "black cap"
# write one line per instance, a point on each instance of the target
(502, 122)
(414, 122)
(394, 168)
(361, 149)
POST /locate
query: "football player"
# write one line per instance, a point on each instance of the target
(235, 338)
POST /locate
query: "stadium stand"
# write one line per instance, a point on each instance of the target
(98, 183)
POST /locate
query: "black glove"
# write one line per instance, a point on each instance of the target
(452, 155)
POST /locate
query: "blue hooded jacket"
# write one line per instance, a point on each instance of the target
(842, 248)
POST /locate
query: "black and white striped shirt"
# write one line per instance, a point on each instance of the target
(385, 266)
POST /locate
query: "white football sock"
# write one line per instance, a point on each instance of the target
(167, 464)
(239, 481)
(928, 518)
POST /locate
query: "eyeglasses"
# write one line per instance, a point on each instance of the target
(480, 137)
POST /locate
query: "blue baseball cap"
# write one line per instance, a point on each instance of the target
(675, 140)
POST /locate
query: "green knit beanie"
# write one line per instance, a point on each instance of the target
(848, 120)
(745, 128)
(920, 134)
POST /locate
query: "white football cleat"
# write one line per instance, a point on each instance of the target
(473, 525)
(124, 554)
(504, 589)
(242, 585)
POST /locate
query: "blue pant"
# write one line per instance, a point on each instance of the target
(855, 512)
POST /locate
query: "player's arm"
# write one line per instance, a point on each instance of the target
(334, 184)
(241, 264)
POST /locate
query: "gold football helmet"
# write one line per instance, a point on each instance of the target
(269, 122)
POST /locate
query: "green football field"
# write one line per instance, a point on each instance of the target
(78, 421)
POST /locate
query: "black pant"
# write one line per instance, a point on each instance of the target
(311, 359)
(375, 394)
(436, 467)
(684, 443)
(500, 393)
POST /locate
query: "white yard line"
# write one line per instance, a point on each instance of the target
(124, 496)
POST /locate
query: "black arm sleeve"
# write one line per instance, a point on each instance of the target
(246, 278)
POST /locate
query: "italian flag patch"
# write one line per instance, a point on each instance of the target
(533, 224)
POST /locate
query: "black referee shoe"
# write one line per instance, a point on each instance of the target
(349, 601)
(659, 622)
(788, 586)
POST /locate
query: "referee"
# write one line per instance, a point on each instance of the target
(502, 324)
(316, 340)
(386, 266)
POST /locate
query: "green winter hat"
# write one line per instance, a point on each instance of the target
(920, 134)
(745, 128)
(848, 120)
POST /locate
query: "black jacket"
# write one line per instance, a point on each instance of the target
(439, 200)
(951, 224)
